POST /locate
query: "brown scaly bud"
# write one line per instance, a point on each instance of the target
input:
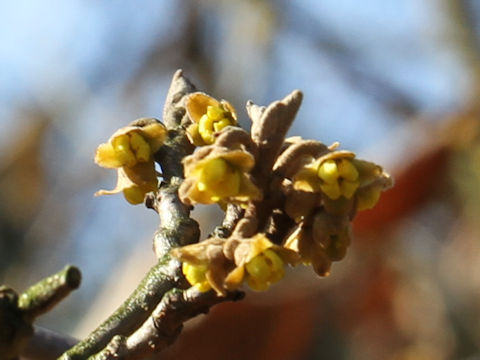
(321, 239)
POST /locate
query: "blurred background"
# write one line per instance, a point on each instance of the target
(396, 81)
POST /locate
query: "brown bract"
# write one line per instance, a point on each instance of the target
(321, 239)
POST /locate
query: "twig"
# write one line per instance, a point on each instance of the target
(134, 311)
(176, 226)
(41, 297)
(232, 216)
(164, 325)
(17, 313)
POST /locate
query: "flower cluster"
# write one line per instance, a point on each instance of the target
(293, 199)
(322, 197)
(322, 189)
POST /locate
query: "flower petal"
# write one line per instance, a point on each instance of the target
(197, 104)
(105, 156)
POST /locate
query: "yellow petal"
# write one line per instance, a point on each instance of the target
(229, 186)
(221, 124)
(328, 171)
(197, 104)
(274, 261)
(194, 135)
(123, 181)
(196, 276)
(215, 113)
(134, 194)
(307, 180)
(140, 146)
(155, 134)
(201, 186)
(242, 160)
(235, 278)
(205, 129)
(368, 198)
(190, 194)
(367, 171)
(259, 243)
(347, 170)
(348, 188)
(247, 191)
(276, 264)
(331, 190)
(276, 276)
(121, 146)
(212, 171)
(105, 156)
(258, 268)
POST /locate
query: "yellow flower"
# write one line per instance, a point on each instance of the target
(334, 176)
(209, 116)
(341, 178)
(218, 175)
(264, 269)
(130, 150)
(196, 275)
(224, 264)
(131, 144)
(259, 262)
(204, 264)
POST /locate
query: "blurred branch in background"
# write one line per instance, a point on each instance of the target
(362, 76)
(463, 29)
(22, 183)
